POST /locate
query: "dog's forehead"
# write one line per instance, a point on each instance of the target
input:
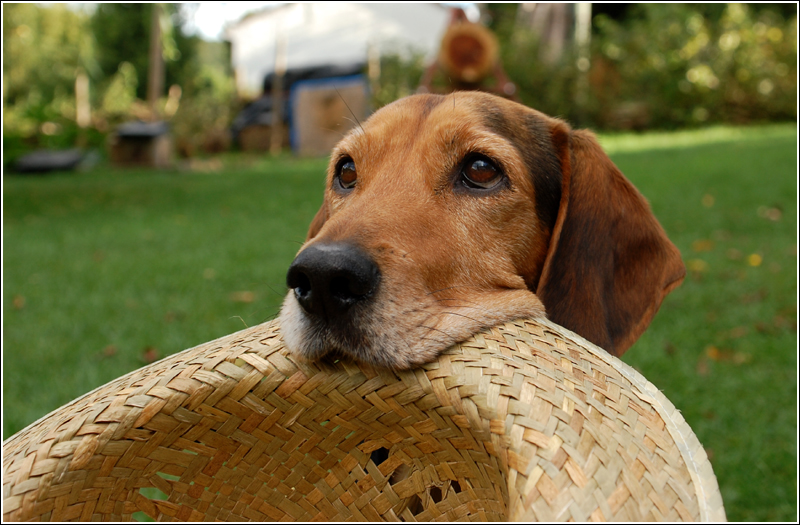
(443, 120)
(437, 112)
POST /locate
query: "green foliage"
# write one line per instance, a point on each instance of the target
(202, 121)
(122, 32)
(43, 50)
(46, 46)
(400, 76)
(120, 94)
(690, 68)
(663, 66)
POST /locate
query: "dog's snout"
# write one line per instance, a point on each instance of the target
(328, 279)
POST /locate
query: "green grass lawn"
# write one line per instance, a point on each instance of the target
(108, 270)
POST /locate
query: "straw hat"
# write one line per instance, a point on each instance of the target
(524, 421)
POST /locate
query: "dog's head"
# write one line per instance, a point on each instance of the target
(445, 215)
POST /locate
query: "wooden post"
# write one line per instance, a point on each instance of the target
(373, 67)
(83, 111)
(155, 73)
(583, 35)
(276, 133)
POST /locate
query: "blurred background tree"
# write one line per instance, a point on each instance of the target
(122, 32)
(45, 48)
(43, 51)
(661, 65)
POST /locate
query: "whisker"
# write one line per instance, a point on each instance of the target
(464, 316)
(276, 292)
(477, 307)
(240, 318)
(271, 317)
(448, 288)
(350, 110)
(461, 299)
(431, 328)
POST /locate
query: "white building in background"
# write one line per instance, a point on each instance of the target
(330, 33)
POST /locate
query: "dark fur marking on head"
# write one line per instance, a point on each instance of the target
(542, 162)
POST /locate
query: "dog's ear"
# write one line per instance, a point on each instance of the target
(317, 222)
(609, 263)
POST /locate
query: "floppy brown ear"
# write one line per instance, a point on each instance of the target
(317, 222)
(609, 264)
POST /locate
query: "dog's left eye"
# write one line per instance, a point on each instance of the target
(478, 172)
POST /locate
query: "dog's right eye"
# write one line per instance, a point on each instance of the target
(346, 174)
(480, 173)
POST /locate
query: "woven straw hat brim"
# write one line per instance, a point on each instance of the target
(526, 421)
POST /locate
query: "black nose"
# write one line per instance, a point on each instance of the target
(328, 279)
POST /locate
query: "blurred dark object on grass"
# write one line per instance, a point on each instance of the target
(45, 161)
(140, 143)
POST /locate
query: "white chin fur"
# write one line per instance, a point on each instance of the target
(291, 319)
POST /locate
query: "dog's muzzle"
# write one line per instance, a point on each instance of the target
(329, 279)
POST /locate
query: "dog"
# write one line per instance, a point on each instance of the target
(444, 215)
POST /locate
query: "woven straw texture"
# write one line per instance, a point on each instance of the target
(526, 421)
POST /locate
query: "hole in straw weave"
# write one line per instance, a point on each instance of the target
(379, 455)
(414, 508)
(455, 487)
(436, 494)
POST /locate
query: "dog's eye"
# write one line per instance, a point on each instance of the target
(480, 173)
(346, 173)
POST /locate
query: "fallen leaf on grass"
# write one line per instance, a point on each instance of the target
(762, 327)
(243, 297)
(734, 254)
(722, 235)
(171, 316)
(703, 245)
(737, 358)
(707, 200)
(740, 358)
(755, 297)
(771, 214)
(19, 302)
(697, 265)
(754, 259)
(781, 322)
(150, 355)
(739, 331)
(109, 351)
(713, 352)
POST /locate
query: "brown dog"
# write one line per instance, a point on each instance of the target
(445, 215)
